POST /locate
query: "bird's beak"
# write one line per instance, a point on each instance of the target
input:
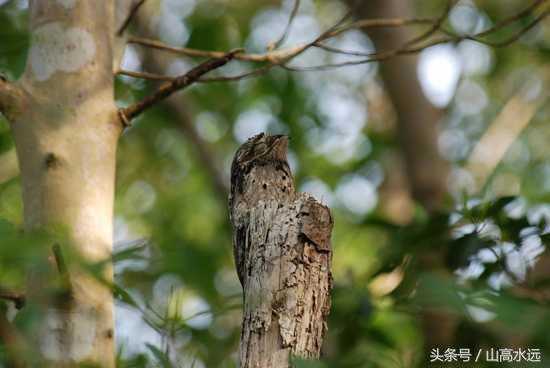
(283, 141)
(281, 146)
(282, 138)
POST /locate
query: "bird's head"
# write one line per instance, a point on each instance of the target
(279, 146)
(264, 147)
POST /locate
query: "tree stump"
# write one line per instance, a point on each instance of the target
(284, 264)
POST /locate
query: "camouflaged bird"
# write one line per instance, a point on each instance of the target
(259, 171)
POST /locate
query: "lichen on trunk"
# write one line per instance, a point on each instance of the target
(65, 130)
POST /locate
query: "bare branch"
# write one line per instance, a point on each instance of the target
(145, 75)
(129, 18)
(505, 22)
(283, 37)
(281, 57)
(336, 50)
(435, 27)
(379, 23)
(276, 56)
(254, 73)
(373, 57)
(11, 99)
(515, 36)
(178, 83)
(273, 56)
(183, 118)
(450, 38)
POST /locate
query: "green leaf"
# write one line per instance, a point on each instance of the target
(160, 356)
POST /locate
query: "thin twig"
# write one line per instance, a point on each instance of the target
(373, 57)
(276, 56)
(230, 78)
(183, 119)
(384, 55)
(435, 27)
(129, 18)
(336, 50)
(145, 75)
(178, 83)
(503, 23)
(272, 57)
(515, 36)
(281, 57)
(380, 23)
(283, 37)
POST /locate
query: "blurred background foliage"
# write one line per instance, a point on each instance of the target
(475, 261)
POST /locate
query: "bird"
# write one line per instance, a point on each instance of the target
(259, 171)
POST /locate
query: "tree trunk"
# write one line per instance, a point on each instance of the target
(418, 132)
(287, 291)
(65, 126)
(417, 117)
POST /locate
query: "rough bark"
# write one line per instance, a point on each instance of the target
(65, 126)
(287, 279)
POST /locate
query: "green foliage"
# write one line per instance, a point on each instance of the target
(178, 297)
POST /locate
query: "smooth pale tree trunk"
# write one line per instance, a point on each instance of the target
(65, 126)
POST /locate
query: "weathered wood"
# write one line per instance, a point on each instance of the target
(285, 272)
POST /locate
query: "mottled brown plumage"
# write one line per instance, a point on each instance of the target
(259, 171)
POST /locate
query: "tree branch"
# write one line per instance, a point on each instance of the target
(177, 84)
(183, 119)
(272, 57)
(11, 98)
(280, 58)
(507, 21)
(384, 55)
(283, 37)
(145, 75)
(129, 18)
(277, 56)
(435, 27)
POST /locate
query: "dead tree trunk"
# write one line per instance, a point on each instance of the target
(283, 258)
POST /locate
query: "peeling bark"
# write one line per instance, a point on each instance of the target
(287, 287)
